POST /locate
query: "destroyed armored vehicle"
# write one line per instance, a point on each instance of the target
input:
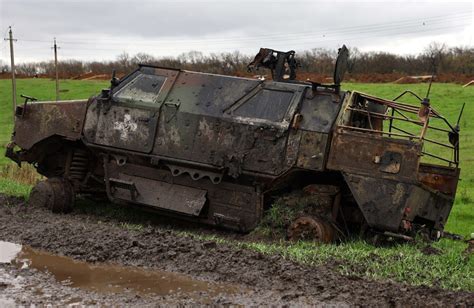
(222, 150)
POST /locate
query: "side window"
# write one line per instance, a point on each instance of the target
(141, 89)
(367, 114)
(267, 104)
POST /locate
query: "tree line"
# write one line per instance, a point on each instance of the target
(436, 58)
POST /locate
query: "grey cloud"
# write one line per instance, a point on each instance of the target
(234, 24)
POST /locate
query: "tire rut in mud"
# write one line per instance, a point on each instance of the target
(97, 239)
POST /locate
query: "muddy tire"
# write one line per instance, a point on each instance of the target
(307, 228)
(55, 194)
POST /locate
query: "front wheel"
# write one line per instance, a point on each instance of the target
(55, 194)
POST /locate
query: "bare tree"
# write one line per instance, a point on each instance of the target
(457, 60)
(143, 58)
(435, 54)
(124, 62)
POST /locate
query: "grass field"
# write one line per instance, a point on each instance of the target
(404, 263)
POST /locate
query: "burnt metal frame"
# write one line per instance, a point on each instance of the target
(400, 108)
(275, 60)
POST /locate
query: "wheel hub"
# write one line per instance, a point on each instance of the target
(308, 228)
(55, 194)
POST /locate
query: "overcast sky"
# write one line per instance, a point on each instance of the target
(102, 29)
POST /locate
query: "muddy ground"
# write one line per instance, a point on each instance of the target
(254, 278)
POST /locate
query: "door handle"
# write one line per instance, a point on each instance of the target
(171, 104)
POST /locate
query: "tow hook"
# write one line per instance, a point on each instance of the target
(10, 153)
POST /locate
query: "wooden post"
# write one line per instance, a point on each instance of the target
(12, 59)
(56, 68)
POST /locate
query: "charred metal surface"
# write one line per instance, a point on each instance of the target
(319, 111)
(282, 64)
(374, 155)
(408, 202)
(196, 174)
(126, 128)
(382, 201)
(174, 197)
(128, 118)
(42, 120)
(209, 124)
(440, 178)
(230, 205)
(219, 150)
(312, 150)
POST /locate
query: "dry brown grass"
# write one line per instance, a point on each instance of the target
(25, 175)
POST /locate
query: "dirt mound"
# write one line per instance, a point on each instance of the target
(91, 238)
(82, 76)
(98, 77)
(320, 78)
(387, 78)
(430, 250)
(470, 83)
(407, 80)
(92, 76)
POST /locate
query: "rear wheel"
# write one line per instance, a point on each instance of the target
(308, 228)
(55, 194)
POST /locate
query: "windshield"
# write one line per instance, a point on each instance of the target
(143, 88)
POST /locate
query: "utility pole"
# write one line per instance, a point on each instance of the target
(12, 59)
(55, 47)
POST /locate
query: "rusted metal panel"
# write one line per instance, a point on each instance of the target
(319, 111)
(209, 94)
(127, 119)
(443, 179)
(126, 128)
(292, 146)
(386, 203)
(203, 123)
(381, 201)
(172, 197)
(374, 155)
(429, 206)
(231, 205)
(312, 150)
(46, 119)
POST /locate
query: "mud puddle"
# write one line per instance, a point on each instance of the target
(105, 278)
(8, 251)
(6, 303)
(268, 279)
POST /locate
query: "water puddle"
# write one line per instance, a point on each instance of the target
(6, 303)
(110, 278)
(8, 251)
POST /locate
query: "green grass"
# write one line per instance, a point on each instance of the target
(9, 187)
(403, 263)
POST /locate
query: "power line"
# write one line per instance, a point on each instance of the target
(293, 45)
(408, 27)
(319, 39)
(375, 27)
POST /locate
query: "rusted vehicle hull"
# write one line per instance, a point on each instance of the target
(222, 150)
(389, 193)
